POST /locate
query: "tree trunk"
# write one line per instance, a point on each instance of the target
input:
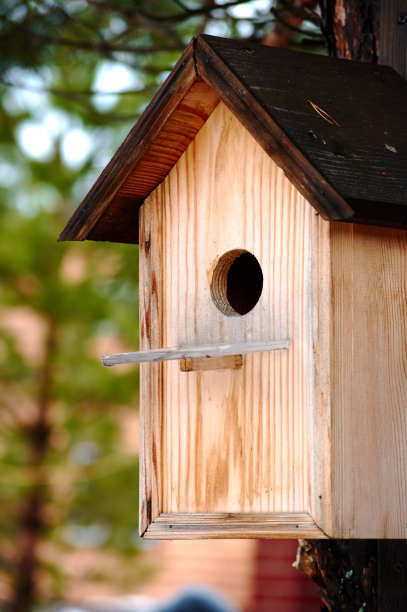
(351, 28)
(367, 31)
(32, 521)
(361, 575)
(357, 575)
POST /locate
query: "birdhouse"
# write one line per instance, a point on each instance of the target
(267, 190)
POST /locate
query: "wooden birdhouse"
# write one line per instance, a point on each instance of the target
(267, 190)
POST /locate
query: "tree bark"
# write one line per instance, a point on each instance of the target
(351, 28)
(357, 575)
(344, 570)
(361, 575)
(367, 31)
(393, 35)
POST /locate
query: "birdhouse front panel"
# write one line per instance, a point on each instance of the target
(231, 433)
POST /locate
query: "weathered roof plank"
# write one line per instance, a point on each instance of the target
(337, 128)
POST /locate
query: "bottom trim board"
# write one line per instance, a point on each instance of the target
(192, 526)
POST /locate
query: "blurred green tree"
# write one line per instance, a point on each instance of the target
(73, 75)
(60, 449)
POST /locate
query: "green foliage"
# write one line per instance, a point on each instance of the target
(65, 385)
(112, 506)
(82, 398)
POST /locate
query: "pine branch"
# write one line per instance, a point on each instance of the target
(77, 23)
(78, 94)
(187, 13)
(104, 47)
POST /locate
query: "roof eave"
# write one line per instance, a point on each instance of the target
(97, 216)
(133, 148)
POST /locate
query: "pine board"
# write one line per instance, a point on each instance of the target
(369, 381)
(150, 314)
(235, 441)
(184, 526)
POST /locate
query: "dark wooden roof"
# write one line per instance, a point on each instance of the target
(337, 128)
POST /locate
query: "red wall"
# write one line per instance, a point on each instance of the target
(278, 587)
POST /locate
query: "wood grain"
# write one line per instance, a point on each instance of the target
(393, 35)
(187, 526)
(150, 313)
(233, 362)
(225, 77)
(320, 418)
(391, 575)
(357, 161)
(369, 381)
(235, 440)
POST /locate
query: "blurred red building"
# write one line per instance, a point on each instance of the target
(276, 585)
(254, 575)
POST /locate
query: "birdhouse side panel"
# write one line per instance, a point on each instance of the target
(150, 316)
(369, 381)
(235, 440)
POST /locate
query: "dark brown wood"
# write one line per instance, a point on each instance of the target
(337, 128)
(393, 35)
(351, 28)
(363, 575)
(235, 92)
(347, 118)
(344, 570)
(119, 222)
(392, 575)
(367, 30)
(357, 575)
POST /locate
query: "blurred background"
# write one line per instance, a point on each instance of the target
(74, 77)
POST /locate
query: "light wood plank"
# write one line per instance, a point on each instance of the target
(235, 440)
(290, 518)
(177, 353)
(319, 425)
(187, 526)
(369, 381)
(150, 312)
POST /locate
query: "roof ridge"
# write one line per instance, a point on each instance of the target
(336, 127)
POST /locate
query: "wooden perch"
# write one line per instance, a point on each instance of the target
(166, 354)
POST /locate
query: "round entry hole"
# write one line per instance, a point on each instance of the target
(237, 282)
